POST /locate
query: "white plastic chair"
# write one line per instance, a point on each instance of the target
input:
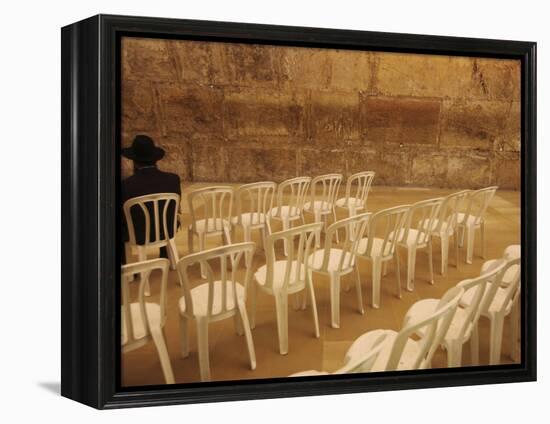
(361, 364)
(473, 218)
(416, 235)
(336, 261)
(379, 246)
(254, 203)
(217, 299)
(214, 204)
(445, 226)
(153, 209)
(357, 192)
(291, 195)
(464, 323)
(144, 321)
(324, 190)
(505, 302)
(281, 278)
(401, 351)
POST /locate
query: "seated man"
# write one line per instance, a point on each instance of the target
(147, 179)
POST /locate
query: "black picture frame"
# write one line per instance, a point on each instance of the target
(90, 138)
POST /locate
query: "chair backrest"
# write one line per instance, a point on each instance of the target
(324, 189)
(478, 202)
(384, 225)
(300, 242)
(512, 272)
(358, 187)
(365, 362)
(225, 258)
(421, 217)
(448, 212)
(435, 328)
(158, 212)
(481, 296)
(292, 193)
(215, 204)
(145, 268)
(355, 228)
(255, 199)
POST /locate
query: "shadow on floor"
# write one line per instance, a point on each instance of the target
(51, 386)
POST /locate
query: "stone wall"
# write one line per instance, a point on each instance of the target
(240, 113)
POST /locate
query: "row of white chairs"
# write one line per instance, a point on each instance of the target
(449, 322)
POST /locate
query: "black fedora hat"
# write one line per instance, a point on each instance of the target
(143, 149)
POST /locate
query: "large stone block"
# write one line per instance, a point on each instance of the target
(193, 60)
(192, 112)
(399, 120)
(468, 171)
(253, 114)
(495, 79)
(147, 59)
(249, 165)
(333, 117)
(508, 171)
(511, 136)
(305, 68)
(139, 110)
(391, 167)
(474, 124)
(207, 163)
(314, 162)
(429, 170)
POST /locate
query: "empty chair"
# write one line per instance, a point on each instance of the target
(222, 296)
(281, 278)
(357, 192)
(337, 261)
(504, 302)
(144, 321)
(254, 203)
(401, 351)
(380, 244)
(363, 363)
(464, 322)
(324, 190)
(416, 235)
(473, 218)
(210, 209)
(152, 224)
(291, 195)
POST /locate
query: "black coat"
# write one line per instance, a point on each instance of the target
(148, 180)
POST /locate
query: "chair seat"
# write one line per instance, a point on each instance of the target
(472, 220)
(445, 227)
(279, 268)
(308, 373)
(412, 236)
(318, 205)
(286, 211)
(377, 244)
(249, 219)
(214, 225)
(153, 314)
(426, 307)
(496, 305)
(335, 255)
(199, 296)
(365, 343)
(346, 202)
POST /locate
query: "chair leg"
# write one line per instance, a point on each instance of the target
(454, 354)
(142, 256)
(376, 274)
(335, 219)
(444, 241)
(430, 261)
(462, 230)
(226, 237)
(335, 299)
(190, 241)
(313, 306)
(247, 236)
(296, 304)
(172, 253)
(474, 345)
(281, 307)
(204, 355)
(247, 333)
(202, 242)
(286, 226)
(317, 217)
(184, 336)
(238, 324)
(411, 264)
(457, 250)
(470, 238)
(253, 299)
(497, 324)
(482, 233)
(384, 268)
(160, 345)
(359, 292)
(398, 273)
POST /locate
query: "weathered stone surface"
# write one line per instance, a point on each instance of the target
(263, 113)
(305, 68)
(147, 59)
(392, 168)
(315, 162)
(474, 124)
(193, 112)
(429, 170)
(400, 120)
(333, 117)
(248, 165)
(511, 137)
(496, 79)
(207, 162)
(508, 171)
(469, 171)
(193, 60)
(178, 157)
(138, 107)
